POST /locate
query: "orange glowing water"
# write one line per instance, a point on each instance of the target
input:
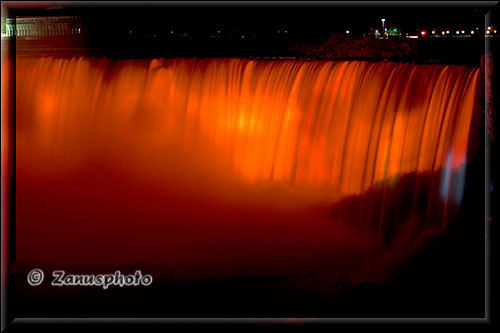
(343, 124)
(322, 129)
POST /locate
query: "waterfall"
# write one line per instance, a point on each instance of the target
(329, 129)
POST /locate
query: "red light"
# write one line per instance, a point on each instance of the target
(423, 33)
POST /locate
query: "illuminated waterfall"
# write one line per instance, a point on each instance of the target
(349, 124)
(339, 128)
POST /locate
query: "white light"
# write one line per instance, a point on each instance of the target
(442, 32)
(463, 31)
(472, 32)
(383, 20)
(489, 28)
(487, 32)
(447, 31)
(458, 32)
(347, 31)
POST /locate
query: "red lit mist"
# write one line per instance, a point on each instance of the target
(222, 167)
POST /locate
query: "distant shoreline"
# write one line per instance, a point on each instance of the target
(456, 52)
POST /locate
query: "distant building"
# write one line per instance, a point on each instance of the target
(42, 26)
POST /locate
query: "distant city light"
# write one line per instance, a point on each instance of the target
(494, 31)
(458, 32)
(447, 31)
(395, 30)
(488, 32)
(489, 28)
(442, 32)
(423, 32)
(433, 32)
(347, 31)
(472, 32)
(463, 31)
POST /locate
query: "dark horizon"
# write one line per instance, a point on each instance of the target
(303, 21)
(194, 29)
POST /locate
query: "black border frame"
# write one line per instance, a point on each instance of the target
(9, 320)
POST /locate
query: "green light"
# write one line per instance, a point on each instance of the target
(395, 30)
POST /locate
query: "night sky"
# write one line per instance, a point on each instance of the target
(303, 22)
